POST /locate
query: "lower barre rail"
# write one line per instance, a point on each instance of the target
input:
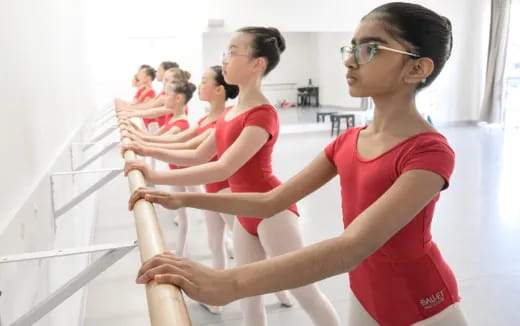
(114, 253)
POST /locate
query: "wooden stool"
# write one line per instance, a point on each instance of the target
(320, 116)
(335, 121)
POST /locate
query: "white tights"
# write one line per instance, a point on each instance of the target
(216, 224)
(182, 220)
(451, 316)
(278, 235)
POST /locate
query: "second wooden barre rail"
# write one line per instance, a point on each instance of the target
(166, 304)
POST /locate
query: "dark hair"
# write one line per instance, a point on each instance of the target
(169, 64)
(428, 32)
(178, 73)
(268, 42)
(231, 90)
(182, 87)
(150, 72)
(144, 67)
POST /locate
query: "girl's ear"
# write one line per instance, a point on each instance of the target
(420, 70)
(220, 89)
(260, 64)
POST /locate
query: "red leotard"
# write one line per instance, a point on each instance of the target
(182, 124)
(141, 97)
(163, 119)
(217, 186)
(138, 93)
(406, 280)
(257, 174)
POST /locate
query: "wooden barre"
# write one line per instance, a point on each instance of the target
(166, 304)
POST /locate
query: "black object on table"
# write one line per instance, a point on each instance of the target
(306, 94)
(335, 121)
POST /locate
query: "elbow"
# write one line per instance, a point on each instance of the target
(224, 170)
(273, 203)
(270, 205)
(196, 158)
(358, 249)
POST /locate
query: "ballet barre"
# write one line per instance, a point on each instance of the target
(165, 301)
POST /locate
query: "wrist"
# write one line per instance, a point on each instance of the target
(149, 151)
(232, 277)
(155, 177)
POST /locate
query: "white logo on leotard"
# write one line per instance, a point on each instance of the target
(433, 300)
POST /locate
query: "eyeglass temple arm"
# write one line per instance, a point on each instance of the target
(398, 51)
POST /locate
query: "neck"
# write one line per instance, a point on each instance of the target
(216, 108)
(250, 94)
(178, 110)
(395, 113)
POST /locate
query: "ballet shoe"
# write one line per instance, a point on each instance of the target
(216, 310)
(284, 299)
(229, 248)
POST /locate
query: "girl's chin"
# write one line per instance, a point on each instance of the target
(356, 93)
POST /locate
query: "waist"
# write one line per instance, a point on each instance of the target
(253, 184)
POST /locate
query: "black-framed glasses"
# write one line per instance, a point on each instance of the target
(365, 52)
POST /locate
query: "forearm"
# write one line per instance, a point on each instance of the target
(240, 204)
(182, 136)
(149, 113)
(147, 105)
(195, 175)
(181, 157)
(174, 146)
(298, 268)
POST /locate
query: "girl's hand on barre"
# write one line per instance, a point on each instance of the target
(150, 175)
(203, 284)
(129, 125)
(136, 147)
(123, 115)
(169, 200)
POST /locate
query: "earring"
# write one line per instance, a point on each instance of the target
(423, 81)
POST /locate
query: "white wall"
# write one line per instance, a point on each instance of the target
(332, 81)
(46, 95)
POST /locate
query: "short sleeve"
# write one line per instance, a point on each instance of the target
(183, 124)
(264, 117)
(202, 119)
(432, 154)
(149, 94)
(332, 148)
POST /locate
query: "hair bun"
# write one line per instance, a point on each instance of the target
(448, 23)
(280, 41)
